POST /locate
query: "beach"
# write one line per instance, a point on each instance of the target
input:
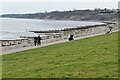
(25, 43)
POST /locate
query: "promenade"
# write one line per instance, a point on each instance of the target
(45, 44)
(95, 31)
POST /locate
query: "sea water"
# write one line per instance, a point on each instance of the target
(12, 28)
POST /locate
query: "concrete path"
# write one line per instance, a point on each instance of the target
(45, 44)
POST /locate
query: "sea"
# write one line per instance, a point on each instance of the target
(13, 28)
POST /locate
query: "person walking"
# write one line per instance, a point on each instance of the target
(39, 40)
(110, 28)
(35, 41)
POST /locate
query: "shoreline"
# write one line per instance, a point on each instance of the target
(52, 19)
(52, 38)
(63, 28)
(43, 45)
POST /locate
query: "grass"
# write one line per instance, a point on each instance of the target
(95, 57)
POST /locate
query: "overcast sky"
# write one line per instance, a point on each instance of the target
(32, 6)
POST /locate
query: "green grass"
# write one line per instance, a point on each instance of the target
(95, 57)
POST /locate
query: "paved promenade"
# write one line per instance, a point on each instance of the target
(44, 44)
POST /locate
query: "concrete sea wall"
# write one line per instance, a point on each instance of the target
(61, 35)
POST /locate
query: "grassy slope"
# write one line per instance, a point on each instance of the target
(93, 57)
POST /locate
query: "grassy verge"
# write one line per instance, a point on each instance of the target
(95, 57)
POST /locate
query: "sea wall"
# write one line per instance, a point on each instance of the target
(15, 43)
(91, 30)
(62, 35)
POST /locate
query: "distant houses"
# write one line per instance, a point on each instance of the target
(96, 14)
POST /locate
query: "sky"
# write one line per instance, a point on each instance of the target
(33, 6)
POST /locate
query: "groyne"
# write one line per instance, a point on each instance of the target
(57, 35)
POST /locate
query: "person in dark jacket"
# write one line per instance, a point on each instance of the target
(35, 41)
(71, 37)
(39, 40)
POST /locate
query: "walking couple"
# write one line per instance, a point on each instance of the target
(37, 41)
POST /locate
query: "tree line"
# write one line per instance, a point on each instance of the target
(96, 14)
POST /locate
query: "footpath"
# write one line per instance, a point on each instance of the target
(44, 44)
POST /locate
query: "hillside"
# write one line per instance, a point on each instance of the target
(96, 14)
(94, 57)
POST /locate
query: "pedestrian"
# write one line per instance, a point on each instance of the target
(35, 41)
(110, 28)
(39, 40)
(71, 37)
